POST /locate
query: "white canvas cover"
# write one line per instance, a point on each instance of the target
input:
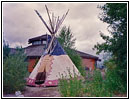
(56, 68)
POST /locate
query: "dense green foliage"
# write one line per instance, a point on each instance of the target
(67, 41)
(115, 14)
(113, 81)
(66, 38)
(14, 72)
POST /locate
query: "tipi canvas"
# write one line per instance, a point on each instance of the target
(54, 63)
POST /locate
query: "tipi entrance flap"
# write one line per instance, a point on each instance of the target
(44, 68)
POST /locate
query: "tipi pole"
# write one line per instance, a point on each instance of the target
(49, 19)
(43, 20)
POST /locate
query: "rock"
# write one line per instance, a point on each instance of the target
(19, 94)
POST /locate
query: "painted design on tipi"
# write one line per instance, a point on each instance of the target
(54, 62)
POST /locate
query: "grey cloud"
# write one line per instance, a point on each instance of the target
(21, 23)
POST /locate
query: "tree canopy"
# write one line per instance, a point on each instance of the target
(115, 15)
(66, 38)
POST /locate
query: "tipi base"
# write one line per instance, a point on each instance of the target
(31, 82)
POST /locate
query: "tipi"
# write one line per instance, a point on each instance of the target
(54, 62)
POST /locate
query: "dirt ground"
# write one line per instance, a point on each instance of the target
(38, 92)
(41, 92)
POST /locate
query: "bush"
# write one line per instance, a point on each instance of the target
(96, 87)
(112, 84)
(72, 87)
(14, 72)
(113, 80)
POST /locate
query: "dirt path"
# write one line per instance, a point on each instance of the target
(46, 92)
(41, 92)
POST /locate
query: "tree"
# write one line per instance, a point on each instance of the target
(14, 72)
(115, 14)
(66, 38)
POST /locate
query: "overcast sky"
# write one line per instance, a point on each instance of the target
(20, 23)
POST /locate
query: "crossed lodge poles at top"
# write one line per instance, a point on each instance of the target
(54, 23)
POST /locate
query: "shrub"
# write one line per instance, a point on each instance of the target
(72, 87)
(14, 72)
(113, 81)
(96, 87)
